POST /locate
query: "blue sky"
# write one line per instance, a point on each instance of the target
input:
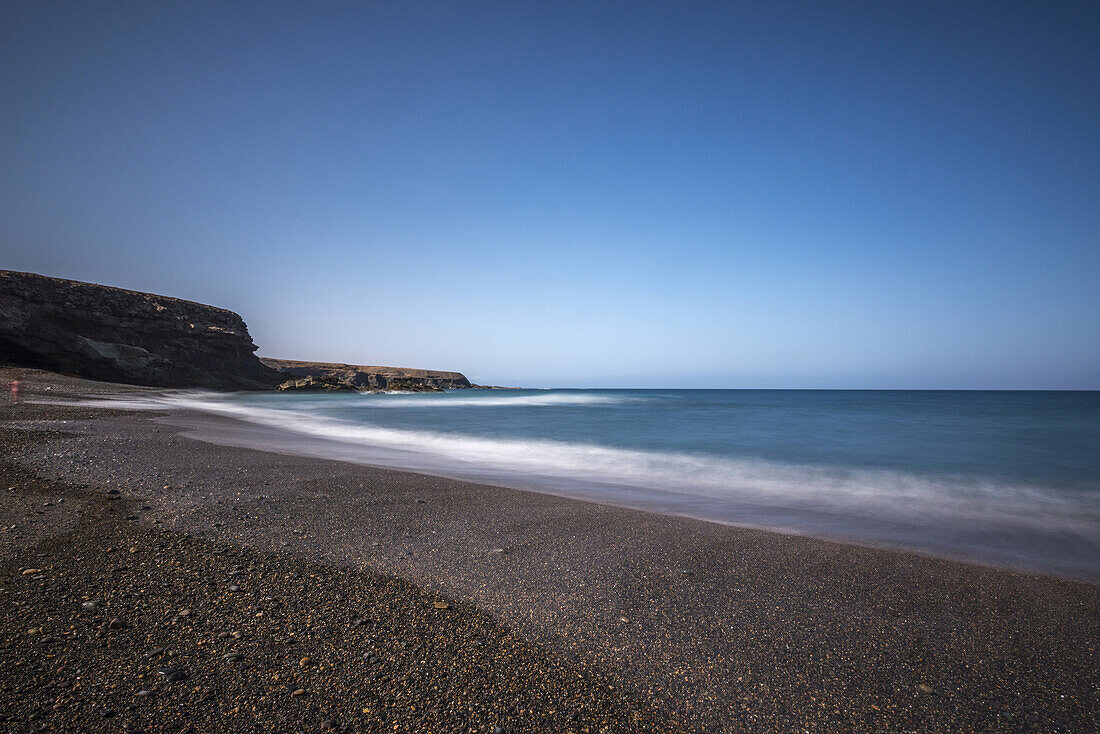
(580, 194)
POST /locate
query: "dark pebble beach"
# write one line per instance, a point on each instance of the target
(150, 581)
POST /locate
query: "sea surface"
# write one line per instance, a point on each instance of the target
(1007, 478)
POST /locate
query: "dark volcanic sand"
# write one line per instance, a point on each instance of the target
(565, 615)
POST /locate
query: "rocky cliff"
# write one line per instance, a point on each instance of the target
(106, 333)
(363, 377)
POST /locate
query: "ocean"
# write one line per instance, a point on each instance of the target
(1006, 478)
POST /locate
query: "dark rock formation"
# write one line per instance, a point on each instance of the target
(316, 384)
(362, 377)
(106, 333)
(333, 383)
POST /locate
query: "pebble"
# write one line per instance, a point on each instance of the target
(298, 692)
(305, 662)
(172, 675)
(924, 688)
(442, 605)
(145, 692)
(90, 605)
(185, 613)
(233, 657)
(29, 571)
(329, 724)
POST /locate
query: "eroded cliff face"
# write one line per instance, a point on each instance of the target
(106, 333)
(364, 377)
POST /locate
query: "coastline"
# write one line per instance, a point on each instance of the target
(693, 625)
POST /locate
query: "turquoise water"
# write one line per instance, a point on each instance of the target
(1011, 478)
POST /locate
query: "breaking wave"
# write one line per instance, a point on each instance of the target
(911, 510)
(452, 400)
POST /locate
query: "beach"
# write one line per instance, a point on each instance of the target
(375, 600)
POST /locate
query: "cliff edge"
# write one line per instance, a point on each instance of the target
(118, 335)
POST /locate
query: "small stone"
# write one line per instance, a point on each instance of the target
(30, 571)
(172, 675)
(185, 613)
(298, 692)
(329, 724)
(305, 662)
(90, 605)
(144, 693)
(234, 587)
(442, 605)
(924, 688)
(233, 657)
(116, 623)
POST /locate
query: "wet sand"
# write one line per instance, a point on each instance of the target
(612, 619)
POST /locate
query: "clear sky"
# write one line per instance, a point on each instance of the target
(580, 194)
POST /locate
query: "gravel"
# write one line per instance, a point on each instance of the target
(482, 608)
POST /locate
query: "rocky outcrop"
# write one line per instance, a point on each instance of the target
(106, 333)
(362, 377)
(332, 383)
(316, 384)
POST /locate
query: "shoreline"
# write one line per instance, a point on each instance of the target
(237, 433)
(719, 627)
(986, 545)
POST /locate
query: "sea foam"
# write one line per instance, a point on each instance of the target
(893, 506)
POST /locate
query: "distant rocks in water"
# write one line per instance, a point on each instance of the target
(315, 384)
(105, 333)
(325, 377)
(331, 383)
